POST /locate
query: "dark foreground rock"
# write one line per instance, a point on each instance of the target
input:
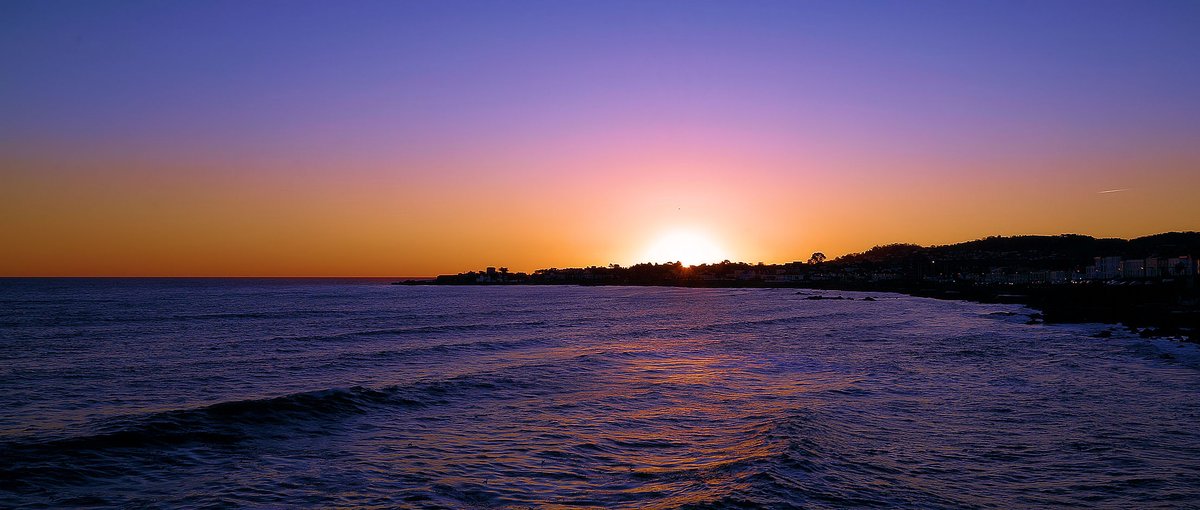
(1164, 309)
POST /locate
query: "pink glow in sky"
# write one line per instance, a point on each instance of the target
(411, 138)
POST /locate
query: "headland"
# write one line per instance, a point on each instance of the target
(1149, 284)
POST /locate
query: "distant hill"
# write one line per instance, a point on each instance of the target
(1035, 252)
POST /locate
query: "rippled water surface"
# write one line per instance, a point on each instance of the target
(199, 393)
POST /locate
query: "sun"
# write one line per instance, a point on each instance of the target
(689, 247)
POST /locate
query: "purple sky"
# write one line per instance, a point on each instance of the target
(954, 95)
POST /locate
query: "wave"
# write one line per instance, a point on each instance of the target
(481, 346)
(145, 442)
(228, 423)
(756, 324)
(221, 423)
(788, 462)
(445, 328)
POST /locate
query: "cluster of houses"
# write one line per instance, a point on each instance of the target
(1105, 269)
(492, 275)
(1113, 268)
(1110, 269)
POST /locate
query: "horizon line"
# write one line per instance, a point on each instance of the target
(367, 277)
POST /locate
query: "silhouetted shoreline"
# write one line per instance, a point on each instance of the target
(1167, 310)
(1152, 311)
(1149, 284)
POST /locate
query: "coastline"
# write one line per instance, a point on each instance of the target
(1168, 310)
(1159, 311)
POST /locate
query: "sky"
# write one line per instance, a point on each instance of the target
(413, 138)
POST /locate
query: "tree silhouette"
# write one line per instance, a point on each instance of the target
(816, 258)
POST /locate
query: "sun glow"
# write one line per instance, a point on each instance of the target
(688, 247)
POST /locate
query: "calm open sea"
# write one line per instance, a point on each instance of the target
(270, 393)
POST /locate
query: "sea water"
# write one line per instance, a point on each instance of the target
(322, 393)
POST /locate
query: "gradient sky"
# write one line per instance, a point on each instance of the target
(421, 137)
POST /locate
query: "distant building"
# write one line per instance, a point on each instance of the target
(746, 274)
(1133, 268)
(1179, 266)
(1104, 268)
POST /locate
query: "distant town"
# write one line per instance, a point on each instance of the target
(1023, 260)
(1111, 270)
(1149, 281)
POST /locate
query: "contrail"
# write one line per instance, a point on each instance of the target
(1114, 190)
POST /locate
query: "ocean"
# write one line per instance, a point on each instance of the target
(213, 393)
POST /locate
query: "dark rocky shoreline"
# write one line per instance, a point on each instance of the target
(1161, 310)
(1165, 309)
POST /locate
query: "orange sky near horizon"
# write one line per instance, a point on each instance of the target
(151, 218)
(422, 138)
